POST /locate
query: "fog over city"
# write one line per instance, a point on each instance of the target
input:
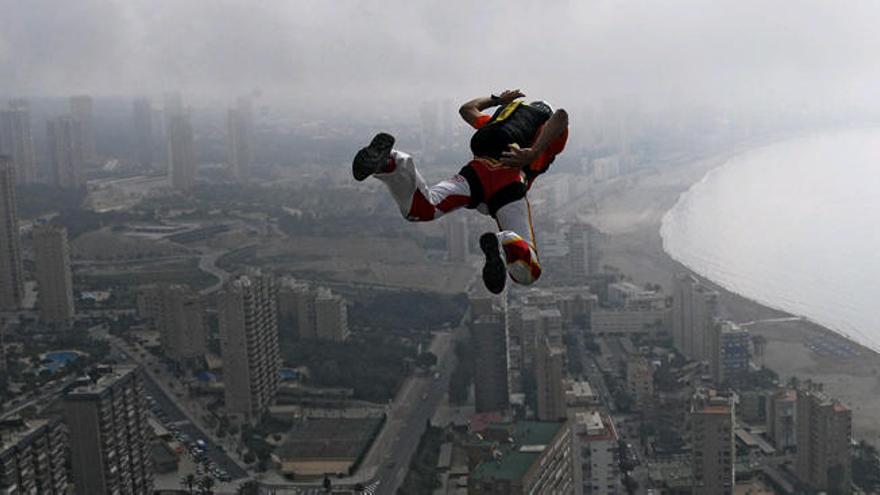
(445, 247)
(735, 54)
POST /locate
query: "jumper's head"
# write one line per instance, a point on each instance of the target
(542, 106)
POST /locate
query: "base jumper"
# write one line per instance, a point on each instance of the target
(511, 148)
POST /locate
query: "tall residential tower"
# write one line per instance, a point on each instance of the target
(180, 319)
(82, 109)
(17, 142)
(11, 272)
(824, 441)
(249, 343)
(66, 152)
(109, 433)
(240, 137)
(143, 131)
(52, 257)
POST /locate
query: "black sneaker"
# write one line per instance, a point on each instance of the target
(494, 272)
(372, 158)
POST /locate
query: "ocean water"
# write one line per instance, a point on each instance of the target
(795, 226)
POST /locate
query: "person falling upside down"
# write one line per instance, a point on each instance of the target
(511, 148)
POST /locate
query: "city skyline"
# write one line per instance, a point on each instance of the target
(655, 274)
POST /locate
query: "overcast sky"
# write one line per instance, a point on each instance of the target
(329, 52)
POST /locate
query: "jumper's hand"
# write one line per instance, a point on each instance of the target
(518, 157)
(508, 95)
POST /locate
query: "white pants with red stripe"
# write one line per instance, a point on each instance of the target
(419, 202)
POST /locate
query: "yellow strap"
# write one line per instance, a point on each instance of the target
(507, 111)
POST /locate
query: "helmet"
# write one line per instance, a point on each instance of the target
(542, 106)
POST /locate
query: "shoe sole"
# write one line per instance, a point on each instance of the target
(494, 272)
(370, 158)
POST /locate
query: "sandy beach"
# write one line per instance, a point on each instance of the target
(629, 213)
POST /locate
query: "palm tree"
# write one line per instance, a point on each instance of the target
(189, 481)
(250, 487)
(207, 485)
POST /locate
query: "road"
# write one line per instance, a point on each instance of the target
(387, 462)
(208, 264)
(597, 381)
(416, 407)
(594, 375)
(176, 414)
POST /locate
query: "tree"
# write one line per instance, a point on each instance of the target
(250, 487)
(866, 467)
(189, 482)
(426, 359)
(207, 485)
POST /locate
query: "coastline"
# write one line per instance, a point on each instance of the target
(630, 212)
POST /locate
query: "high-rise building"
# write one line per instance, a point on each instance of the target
(81, 109)
(695, 308)
(249, 343)
(17, 141)
(11, 272)
(523, 458)
(317, 312)
(143, 131)
(583, 250)
(640, 381)
(456, 239)
(239, 137)
(66, 152)
(296, 305)
(781, 419)
(331, 316)
(180, 319)
(731, 351)
(181, 154)
(32, 456)
(824, 441)
(52, 258)
(149, 303)
(109, 434)
(596, 454)
(548, 377)
(713, 453)
(489, 336)
(4, 363)
(306, 314)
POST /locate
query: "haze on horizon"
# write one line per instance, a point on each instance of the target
(742, 54)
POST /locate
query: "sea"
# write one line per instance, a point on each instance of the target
(794, 225)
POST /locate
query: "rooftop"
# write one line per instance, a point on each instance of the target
(714, 409)
(14, 430)
(579, 391)
(595, 427)
(328, 438)
(100, 381)
(530, 438)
